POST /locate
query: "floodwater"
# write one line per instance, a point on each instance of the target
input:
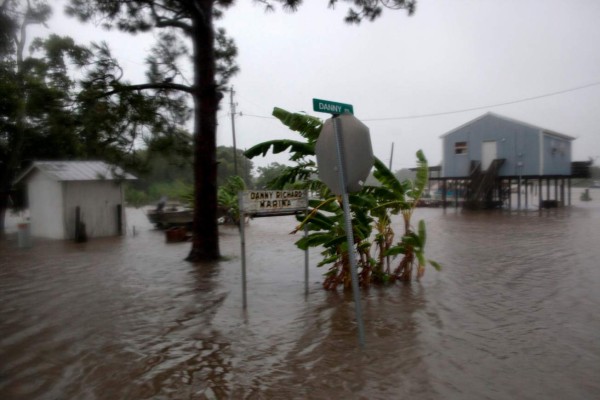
(515, 313)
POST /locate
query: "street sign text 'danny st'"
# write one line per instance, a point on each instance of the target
(332, 107)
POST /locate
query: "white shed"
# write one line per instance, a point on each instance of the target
(58, 190)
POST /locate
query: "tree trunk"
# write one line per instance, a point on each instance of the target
(17, 141)
(3, 201)
(205, 238)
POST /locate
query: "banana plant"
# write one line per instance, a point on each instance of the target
(371, 211)
(301, 152)
(403, 197)
(227, 197)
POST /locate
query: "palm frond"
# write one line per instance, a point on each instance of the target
(387, 178)
(300, 149)
(307, 126)
(422, 176)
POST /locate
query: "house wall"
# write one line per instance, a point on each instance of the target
(98, 201)
(455, 165)
(45, 207)
(557, 155)
(518, 144)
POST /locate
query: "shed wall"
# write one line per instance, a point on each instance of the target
(45, 207)
(98, 201)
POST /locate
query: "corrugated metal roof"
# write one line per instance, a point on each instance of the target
(494, 115)
(77, 171)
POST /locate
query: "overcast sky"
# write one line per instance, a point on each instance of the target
(449, 56)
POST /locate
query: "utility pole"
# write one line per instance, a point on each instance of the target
(391, 156)
(232, 107)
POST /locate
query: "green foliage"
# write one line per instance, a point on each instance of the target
(371, 211)
(166, 169)
(226, 168)
(135, 198)
(227, 196)
(303, 174)
(267, 176)
(38, 108)
(177, 190)
(46, 113)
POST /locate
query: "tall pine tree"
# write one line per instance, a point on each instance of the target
(212, 56)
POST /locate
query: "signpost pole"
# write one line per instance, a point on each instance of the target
(243, 247)
(349, 235)
(306, 263)
(269, 203)
(306, 251)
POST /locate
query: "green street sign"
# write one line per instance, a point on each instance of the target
(332, 107)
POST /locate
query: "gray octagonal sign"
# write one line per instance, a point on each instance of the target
(357, 154)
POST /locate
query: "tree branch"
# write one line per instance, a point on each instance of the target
(144, 86)
(162, 22)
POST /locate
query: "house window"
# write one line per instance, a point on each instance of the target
(460, 148)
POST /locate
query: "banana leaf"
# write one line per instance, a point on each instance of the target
(314, 240)
(309, 127)
(422, 176)
(435, 265)
(279, 146)
(328, 260)
(395, 250)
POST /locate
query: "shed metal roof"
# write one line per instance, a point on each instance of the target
(76, 171)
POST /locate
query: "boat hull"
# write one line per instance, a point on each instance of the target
(167, 219)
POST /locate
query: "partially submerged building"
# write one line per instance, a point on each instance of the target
(65, 197)
(483, 158)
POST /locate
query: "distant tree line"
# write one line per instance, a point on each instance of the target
(170, 174)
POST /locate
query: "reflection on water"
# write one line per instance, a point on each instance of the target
(514, 314)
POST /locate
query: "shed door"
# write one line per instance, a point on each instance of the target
(489, 152)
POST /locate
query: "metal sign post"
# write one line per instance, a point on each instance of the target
(349, 235)
(270, 203)
(306, 260)
(243, 248)
(342, 176)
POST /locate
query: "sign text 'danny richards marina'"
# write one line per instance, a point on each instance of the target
(273, 201)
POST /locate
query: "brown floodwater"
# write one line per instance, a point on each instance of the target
(515, 313)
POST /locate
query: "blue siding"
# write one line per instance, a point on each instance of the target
(557, 155)
(517, 143)
(458, 164)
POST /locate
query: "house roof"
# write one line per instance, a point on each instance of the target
(76, 171)
(515, 121)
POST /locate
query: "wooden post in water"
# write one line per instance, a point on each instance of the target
(509, 193)
(540, 191)
(519, 193)
(119, 220)
(456, 194)
(80, 234)
(526, 194)
(444, 194)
